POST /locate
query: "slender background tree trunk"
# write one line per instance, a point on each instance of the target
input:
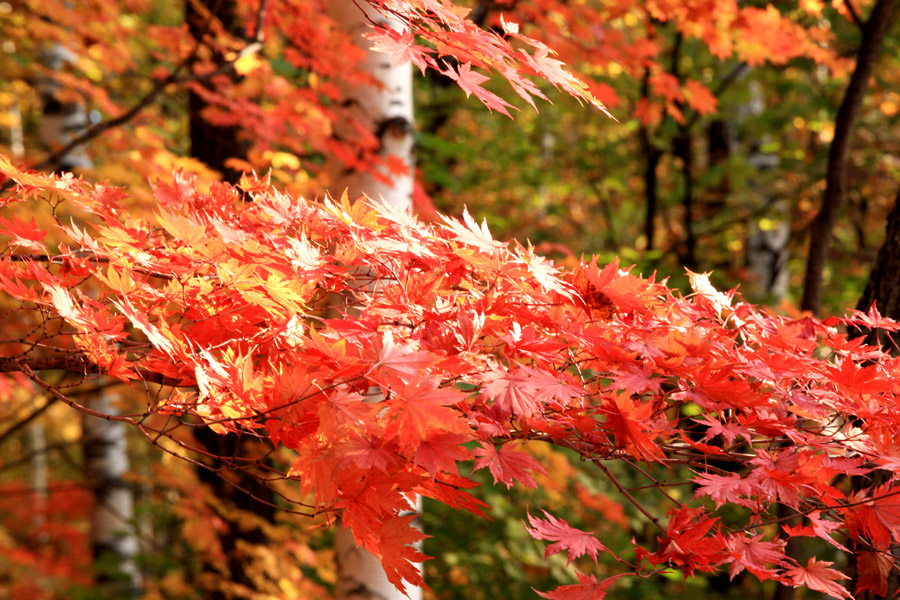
(769, 227)
(883, 287)
(113, 539)
(213, 144)
(836, 175)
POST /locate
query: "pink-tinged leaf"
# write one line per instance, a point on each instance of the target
(523, 392)
(575, 541)
(587, 588)
(817, 576)
(823, 529)
(507, 465)
(724, 489)
(870, 320)
(730, 431)
(635, 379)
(402, 48)
(753, 554)
(397, 360)
(818, 527)
(511, 393)
(470, 81)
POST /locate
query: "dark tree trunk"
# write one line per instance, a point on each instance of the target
(238, 491)
(214, 144)
(883, 287)
(836, 175)
(652, 156)
(683, 149)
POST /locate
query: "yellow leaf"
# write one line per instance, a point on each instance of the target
(247, 63)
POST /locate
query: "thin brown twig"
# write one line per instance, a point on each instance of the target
(23, 422)
(627, 494)
(854, 14)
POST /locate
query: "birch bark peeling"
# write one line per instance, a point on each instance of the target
(386, 109)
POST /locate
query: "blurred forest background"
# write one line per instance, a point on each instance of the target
(717, 160)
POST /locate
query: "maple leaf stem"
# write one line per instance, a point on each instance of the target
(656, 483)
(74, 362)
(129, 419)
(89, 257)
(634, 501)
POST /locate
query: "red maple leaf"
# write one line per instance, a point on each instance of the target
(817, 576)
(396, 361)
(398, 553)
(587, 588)
(879, 518)
(629, 422)
(27, 235)
(506, 464)
(577, 542)
(470, 81)
(419, 410)
(753, 554)
(441, 452)
(874, 569)
(688, 543)
(699, 97)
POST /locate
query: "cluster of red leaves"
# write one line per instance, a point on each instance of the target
(44, 550)
(385, 352)
(448, 32)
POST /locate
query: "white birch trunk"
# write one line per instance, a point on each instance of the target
(61, 122)
(387, 110)
(38, 480)
(769, 233)
(16, 135)
(113, 536)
